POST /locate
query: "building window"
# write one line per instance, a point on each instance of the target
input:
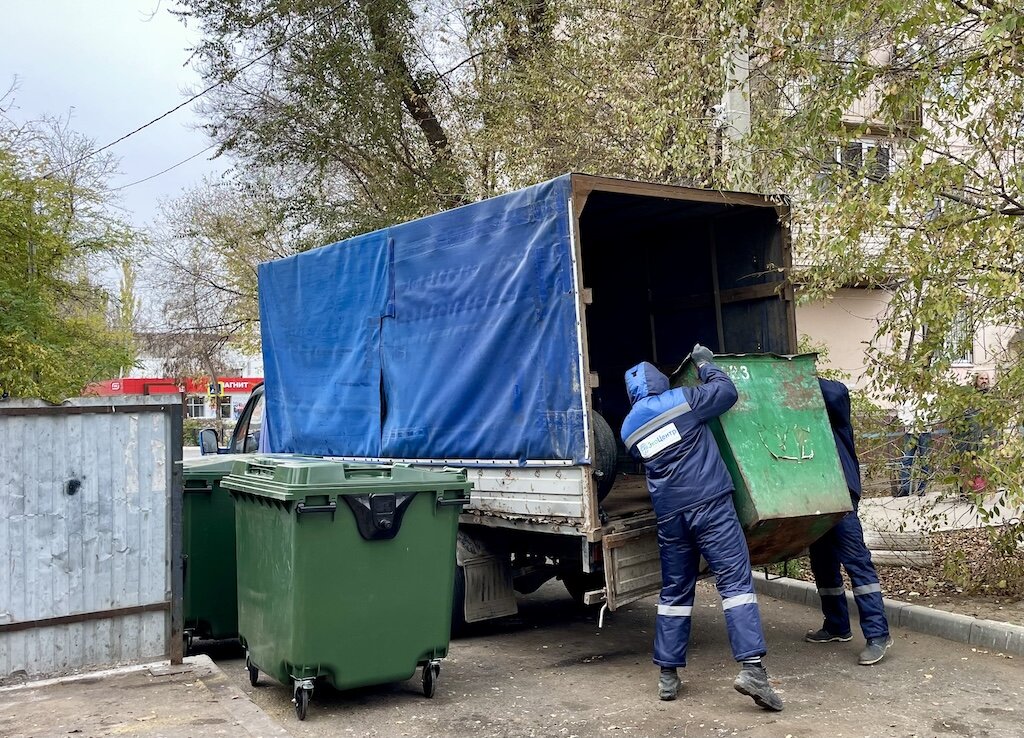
(195, 406)
(225, 407)
(960, 341)
(869, 161)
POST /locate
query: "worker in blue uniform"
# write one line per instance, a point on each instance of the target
(844, 545)
(692, 494)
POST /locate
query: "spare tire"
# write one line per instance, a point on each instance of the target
(606, 456)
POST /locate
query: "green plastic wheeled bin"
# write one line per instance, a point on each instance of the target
(778, 446)
(210, 604)
(345, 571)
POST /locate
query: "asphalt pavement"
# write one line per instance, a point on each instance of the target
(551, 671)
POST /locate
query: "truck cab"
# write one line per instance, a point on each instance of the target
(245, 437)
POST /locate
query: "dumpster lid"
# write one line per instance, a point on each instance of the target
(675, 378)
(286, 477)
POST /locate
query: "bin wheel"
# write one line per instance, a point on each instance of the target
(301, 703)
(431, 672)
(254, 673)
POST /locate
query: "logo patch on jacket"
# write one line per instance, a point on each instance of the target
(658, 441)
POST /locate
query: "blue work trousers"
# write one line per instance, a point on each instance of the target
(711, 530)
(844, 545)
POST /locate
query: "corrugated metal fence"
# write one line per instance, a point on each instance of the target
(90, 550)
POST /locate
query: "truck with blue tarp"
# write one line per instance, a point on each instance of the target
(495, 337)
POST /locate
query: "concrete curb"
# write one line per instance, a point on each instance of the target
(989, 634)
(247, 714)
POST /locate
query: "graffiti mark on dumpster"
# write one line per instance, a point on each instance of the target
(792, 444)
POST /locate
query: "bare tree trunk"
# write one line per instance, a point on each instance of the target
(398, 73)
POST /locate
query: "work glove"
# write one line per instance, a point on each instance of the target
(701, 355)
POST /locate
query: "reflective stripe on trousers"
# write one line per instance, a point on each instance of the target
(844, 546)
(713, 530)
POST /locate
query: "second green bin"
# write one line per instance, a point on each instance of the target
(345, 571)
(208, 547)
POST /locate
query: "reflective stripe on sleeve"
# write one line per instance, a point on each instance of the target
(831, 591)
(867, 589)
(730, 602)
(675, 611)
(652, 425)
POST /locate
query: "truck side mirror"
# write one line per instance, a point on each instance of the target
(208, 442)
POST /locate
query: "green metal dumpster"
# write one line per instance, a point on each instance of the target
(778, 446)
(345, 571)
(210, 603)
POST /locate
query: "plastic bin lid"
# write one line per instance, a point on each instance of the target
(292, 477)
(219, 464)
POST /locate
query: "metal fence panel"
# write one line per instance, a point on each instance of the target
(89, 496)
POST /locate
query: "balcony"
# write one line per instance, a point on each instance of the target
(865, 111)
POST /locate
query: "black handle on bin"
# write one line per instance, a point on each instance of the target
(452, 502)
(303, 509)
(207, 490)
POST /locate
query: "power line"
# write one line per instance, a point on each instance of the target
(227, 78)
(163, 171)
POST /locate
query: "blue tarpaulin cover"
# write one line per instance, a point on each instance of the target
(449, 337)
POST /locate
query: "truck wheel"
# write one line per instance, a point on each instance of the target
(459, 603)
(606, 456)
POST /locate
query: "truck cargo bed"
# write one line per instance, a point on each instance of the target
(629, 497)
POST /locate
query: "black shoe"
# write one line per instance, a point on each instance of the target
(753, 682)
(875, 651)
(668, 684)
(823, 636)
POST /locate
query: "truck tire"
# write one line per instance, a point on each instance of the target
(606, 456)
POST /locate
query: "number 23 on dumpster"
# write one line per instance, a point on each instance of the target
(738, 373)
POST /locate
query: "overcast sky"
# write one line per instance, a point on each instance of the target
(114, 65)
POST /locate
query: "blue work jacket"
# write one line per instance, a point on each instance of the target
(837, 402)
(667, 431)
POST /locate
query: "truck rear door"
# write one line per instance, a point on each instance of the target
(632, 567)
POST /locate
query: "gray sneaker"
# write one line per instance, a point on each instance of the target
(668, 685)
(753, 682)
(823, 636)
(875, 651)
